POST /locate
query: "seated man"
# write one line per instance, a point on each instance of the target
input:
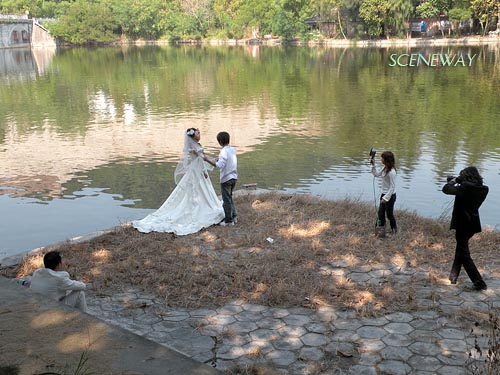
(54, 283)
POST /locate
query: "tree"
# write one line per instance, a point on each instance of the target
(376, 14)
(200, 11)
(85, 23)
(433, 9)
(399, 15)
(457, 15)
(485, 11)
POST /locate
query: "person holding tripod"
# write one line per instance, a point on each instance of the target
(469, 193)
(388, 196)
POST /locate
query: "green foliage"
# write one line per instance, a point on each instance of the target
(100, 21)
(485, 11)
(459, 14)
(427, 10)
(85, 23)
(375, 13)
(283, 25)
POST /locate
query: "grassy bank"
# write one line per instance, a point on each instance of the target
(220, 264)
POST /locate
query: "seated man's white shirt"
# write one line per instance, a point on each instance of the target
(55, 284)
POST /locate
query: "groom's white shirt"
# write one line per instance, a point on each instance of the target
(228, 164)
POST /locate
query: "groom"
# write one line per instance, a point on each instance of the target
(227, 162)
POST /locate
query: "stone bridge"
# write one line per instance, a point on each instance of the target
(18, 31)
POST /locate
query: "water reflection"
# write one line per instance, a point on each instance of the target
(23, 63)
(302, 120)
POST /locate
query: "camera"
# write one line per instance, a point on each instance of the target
(373, 152)
(457, 179)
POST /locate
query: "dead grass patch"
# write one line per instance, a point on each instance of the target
(221, 264)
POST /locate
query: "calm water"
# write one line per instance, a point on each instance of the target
(90, 138)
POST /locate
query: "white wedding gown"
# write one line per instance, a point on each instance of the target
(192, 206)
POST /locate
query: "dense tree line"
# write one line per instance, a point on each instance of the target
(91, 21)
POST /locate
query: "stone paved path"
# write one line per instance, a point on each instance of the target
(327, 340)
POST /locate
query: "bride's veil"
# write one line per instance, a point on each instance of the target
(187, 155)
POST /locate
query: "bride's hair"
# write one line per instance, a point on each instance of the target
(190, 145)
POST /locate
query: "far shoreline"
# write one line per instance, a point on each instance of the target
(475, 40)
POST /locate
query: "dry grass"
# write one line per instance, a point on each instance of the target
(220, 264)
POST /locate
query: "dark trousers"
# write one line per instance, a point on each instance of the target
(226, 189)
(387, 208)
(463, 258)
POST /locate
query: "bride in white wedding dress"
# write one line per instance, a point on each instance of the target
(193, 205)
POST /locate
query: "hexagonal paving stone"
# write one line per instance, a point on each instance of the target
(221, 319)
(297, 320)
(270, 323)
(248, 316)
(424, 348)
(292, 331)
(300, 311)
(399, 328)
(344, 335)
(232, 353)
(451, 370)
(211, 330)
(380, 273)
(237, 340)
(347, 348)
(279, 313)
(290, 343)
(370, 359)
(362, 370)
(371, 332)
(426, 314)
(394, 367)
(424, 335)
(176, 316)
(358, 277)
(451, 333)
(281, 358)
(201, 313)
(453, 359)
(257, 348)
(451, 345)
(473, 296)
(397, 340)
(316, 328)
(400, 317)
(326, 314)
(264, 334)
(311, 354)
(254, 308)
(425, 363)
(314, 339)
(421, 324)
(377, 322)
(352, 324)
(244, 327)
(396, 353)
(370, 346)
(229, 310)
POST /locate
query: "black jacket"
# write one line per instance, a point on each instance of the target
(468, 199)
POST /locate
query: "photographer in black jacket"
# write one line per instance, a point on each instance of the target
(469, 193)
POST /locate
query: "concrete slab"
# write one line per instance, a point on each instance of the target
(41, 336)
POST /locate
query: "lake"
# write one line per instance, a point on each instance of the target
(89, 138)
